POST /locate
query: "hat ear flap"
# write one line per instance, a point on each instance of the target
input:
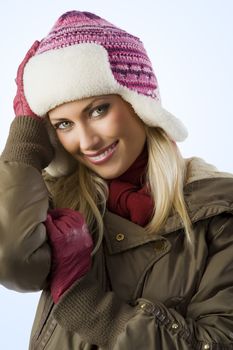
(63, 163)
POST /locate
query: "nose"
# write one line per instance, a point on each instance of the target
(88, 138)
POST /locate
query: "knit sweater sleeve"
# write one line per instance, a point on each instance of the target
(99, 317)
(28, 143)
(25, 255)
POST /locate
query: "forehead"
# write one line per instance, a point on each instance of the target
(79, 106)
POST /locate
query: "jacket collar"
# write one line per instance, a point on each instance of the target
(122, 234)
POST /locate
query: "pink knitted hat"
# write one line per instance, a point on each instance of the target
(83, 56)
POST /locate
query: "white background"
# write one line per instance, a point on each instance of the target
(191, 47)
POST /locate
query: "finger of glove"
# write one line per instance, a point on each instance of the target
(73, 236)
(69, 221)
(65, 219)
(75, 241)
(63, 225)
(20, 105)
(77, 235)
(31, 52)
(60, 212)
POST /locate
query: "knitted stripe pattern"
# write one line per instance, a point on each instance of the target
(128, 59)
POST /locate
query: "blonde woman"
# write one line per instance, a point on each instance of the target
(131, 244)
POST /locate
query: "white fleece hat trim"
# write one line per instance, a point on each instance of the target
(52, 78)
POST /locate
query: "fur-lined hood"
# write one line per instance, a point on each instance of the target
(207, 192)
(198, 169)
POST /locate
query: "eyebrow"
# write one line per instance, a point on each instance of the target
(85, 109)
(90, 105)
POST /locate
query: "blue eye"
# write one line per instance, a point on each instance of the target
(99, 110)
(62, 125)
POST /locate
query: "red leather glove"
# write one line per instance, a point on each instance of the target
(20, 104)
(28, 141)
(71, 245)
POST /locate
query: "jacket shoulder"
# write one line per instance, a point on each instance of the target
(209, 197)
(207, 189)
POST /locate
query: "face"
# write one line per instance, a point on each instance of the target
(102, 132)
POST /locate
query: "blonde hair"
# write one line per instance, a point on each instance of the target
(86, 192)
(166, 175)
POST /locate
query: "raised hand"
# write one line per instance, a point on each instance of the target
(20, 103)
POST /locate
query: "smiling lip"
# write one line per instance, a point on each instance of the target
(103, 155)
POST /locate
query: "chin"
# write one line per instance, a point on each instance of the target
(107, 176)
(111, 174)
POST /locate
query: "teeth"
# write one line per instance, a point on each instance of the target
(104, 154)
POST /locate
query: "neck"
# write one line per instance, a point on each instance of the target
(136, 173)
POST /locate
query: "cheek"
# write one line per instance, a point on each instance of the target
(68, 141)
(129, 127)
(115, 125)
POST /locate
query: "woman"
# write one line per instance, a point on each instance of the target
(130, 243)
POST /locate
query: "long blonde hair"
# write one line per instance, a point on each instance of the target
(86, 192)
(166, 175)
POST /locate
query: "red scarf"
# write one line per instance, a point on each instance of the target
(128, 194)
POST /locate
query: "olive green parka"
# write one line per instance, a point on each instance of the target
(144, 291)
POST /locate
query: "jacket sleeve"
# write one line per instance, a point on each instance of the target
(24, 251)
(102, 318)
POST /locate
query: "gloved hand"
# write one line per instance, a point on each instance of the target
(28, 141)
(71, 245)
(20, 104)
